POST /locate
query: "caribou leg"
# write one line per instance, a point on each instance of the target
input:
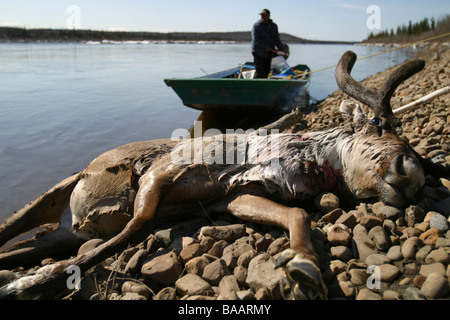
(52, 279)
(301, 262)
(48, 208)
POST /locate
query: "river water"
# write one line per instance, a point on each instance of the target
(61, 105)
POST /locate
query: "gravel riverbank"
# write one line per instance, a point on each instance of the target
(368, 251)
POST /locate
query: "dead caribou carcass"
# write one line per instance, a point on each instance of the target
(122, 193)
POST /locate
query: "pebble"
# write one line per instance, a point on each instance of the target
(383, 211)
(228, 233)
(215, 271)
(370, 221)
(338, 236)
(364, 245)
(435, 286)
(326, 202)
(428, 269)
(366, 294)
(394, 253)
(163, 268)
(332, 216)
(342, 253)
(377, 259)
(430, 236)
(263, 275)
(379, 238)
(388, 272)
(410, 247)
(439, 222)
(439, 255)
(192, 284)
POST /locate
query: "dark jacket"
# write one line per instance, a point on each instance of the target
(263, 36)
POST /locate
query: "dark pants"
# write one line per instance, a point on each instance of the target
(262, 66)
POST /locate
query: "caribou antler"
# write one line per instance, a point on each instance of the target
(379, 101)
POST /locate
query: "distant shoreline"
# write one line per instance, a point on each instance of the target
(20, 35)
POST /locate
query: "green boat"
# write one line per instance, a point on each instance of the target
(235, 88)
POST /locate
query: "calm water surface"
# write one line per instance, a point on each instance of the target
(61, 105)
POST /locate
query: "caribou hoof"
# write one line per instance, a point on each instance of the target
(303, 278)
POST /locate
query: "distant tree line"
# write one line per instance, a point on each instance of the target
(427, 27)
(10, 34)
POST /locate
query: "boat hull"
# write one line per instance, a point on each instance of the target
(207, 93)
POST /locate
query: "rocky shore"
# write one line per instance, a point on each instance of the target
(368, 251)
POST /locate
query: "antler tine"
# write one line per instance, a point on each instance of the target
(400, 74)
(352, 87)
(380, 101)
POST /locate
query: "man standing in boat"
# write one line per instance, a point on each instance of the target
(265, 39)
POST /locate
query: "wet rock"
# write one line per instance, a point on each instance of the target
(435, 286)
(192, 284)
(162, 268)
(263, 275)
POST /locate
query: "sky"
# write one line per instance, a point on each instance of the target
(346, 20)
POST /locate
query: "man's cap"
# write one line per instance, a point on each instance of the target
(265, 11)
